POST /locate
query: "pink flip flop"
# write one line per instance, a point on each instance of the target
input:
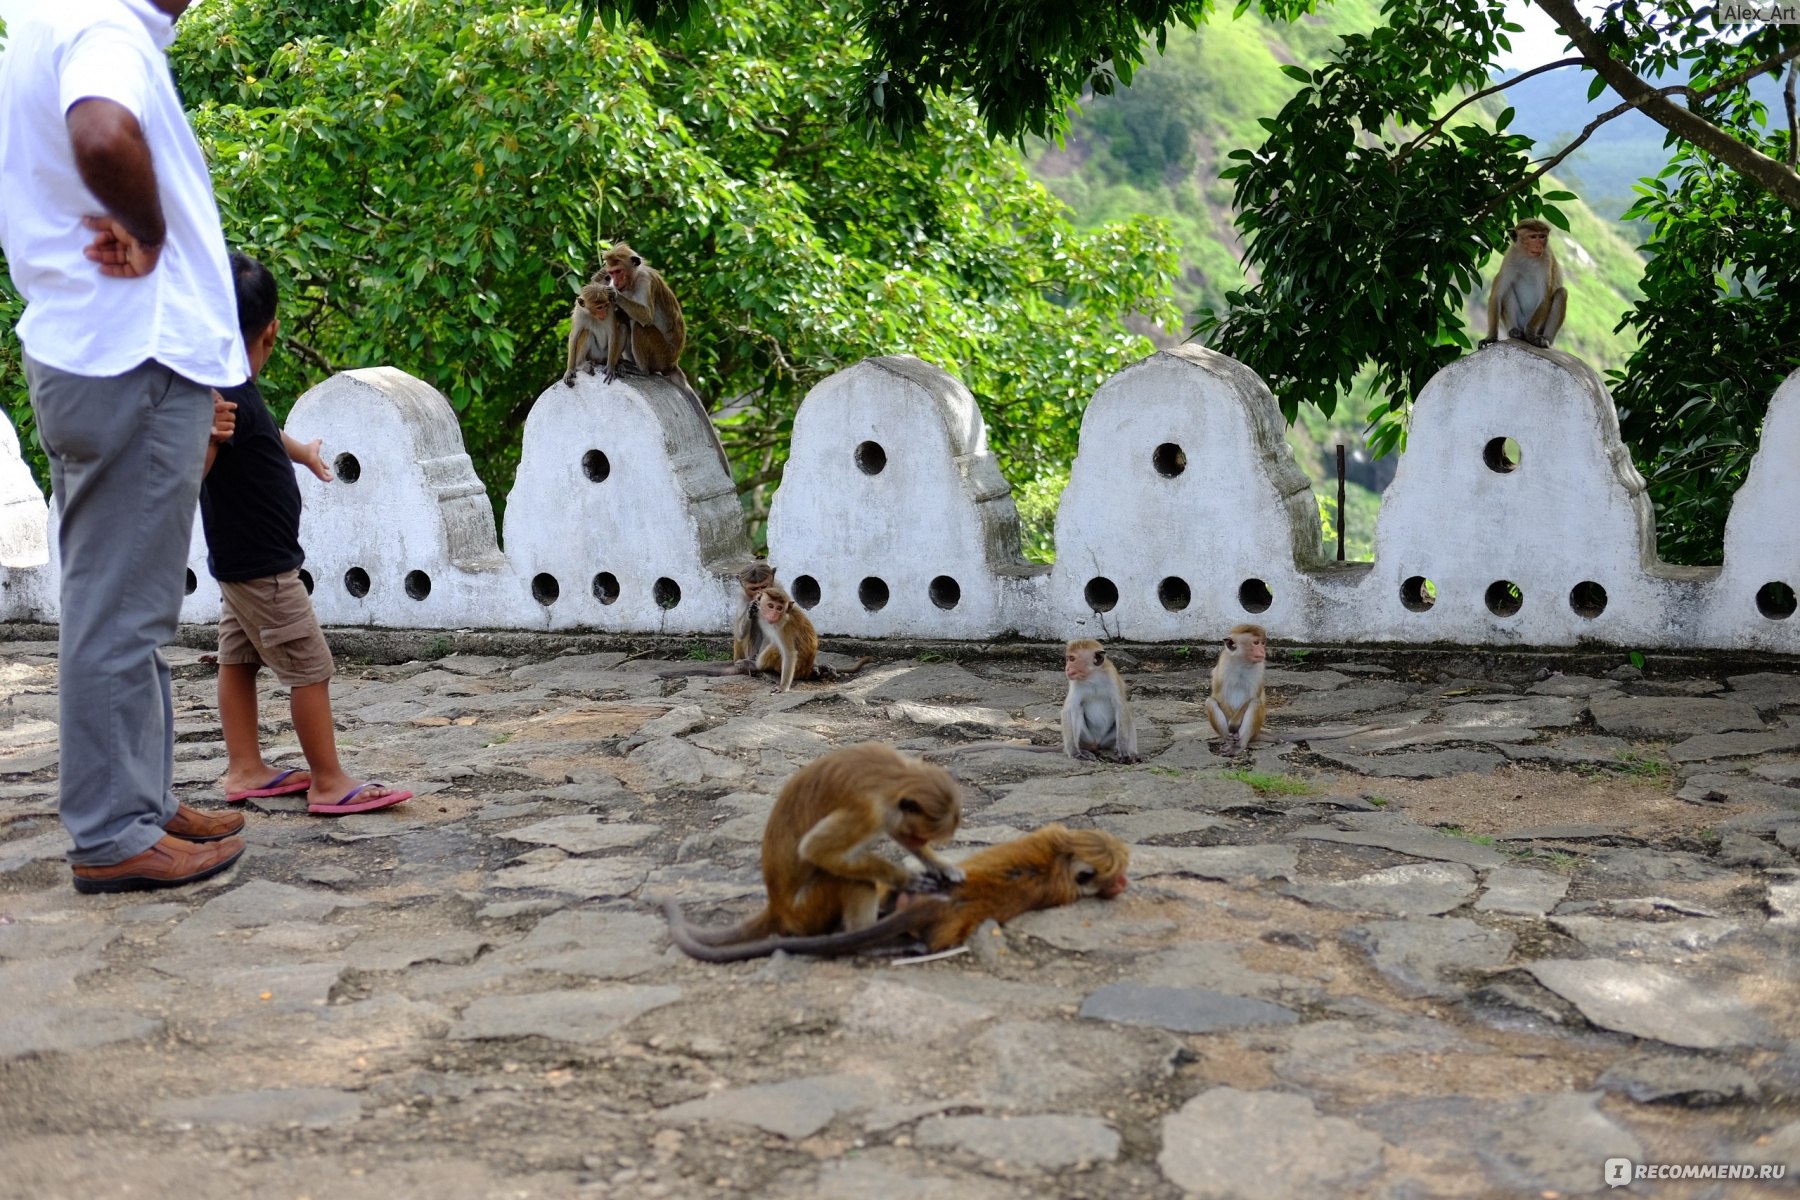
(282, 785)
(350, 804)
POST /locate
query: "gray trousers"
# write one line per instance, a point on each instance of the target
(126, 454)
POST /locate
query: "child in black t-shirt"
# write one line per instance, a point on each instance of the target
(250, 507)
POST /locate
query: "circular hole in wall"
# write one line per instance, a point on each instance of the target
(1169, 459)
(1174, 593)
(347, 468)
(1502, 455)
(418, 584)
(1101, 594)
(1775, 601)
(545, 589)
(806, 591)
(946, 592)
(873, 593)
(596, 466)
(356, 582)
(666, 592)
(1418, 593)
(606, 587)
(306, 580)
(1588, 599)
(191, 584)
(1504, 598)
(870, 458)
(1254, 596)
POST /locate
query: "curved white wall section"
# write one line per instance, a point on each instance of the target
(1515, 518)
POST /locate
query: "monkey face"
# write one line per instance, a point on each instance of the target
(929, 812)
(1079, 664)
(1534, 241)
(1098, 860)
(1255, 650)
(772, 608)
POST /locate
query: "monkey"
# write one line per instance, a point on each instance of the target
(1097, 713)
(746, 634)
(658, 332)
(1528, 298)
(594, 328)
(1236, 705)
(818, 868)
(1048, 868)
(790, 643)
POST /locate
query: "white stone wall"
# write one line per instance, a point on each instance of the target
(1515, 519)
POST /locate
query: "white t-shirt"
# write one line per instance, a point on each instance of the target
(184, 313)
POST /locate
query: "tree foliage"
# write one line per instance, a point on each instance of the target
(431, 183)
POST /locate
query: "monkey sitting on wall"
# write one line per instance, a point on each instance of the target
(593, 328)
(818, 864)
(1045, 869)
(1528, 299)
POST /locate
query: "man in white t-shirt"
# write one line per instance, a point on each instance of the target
(112, 237)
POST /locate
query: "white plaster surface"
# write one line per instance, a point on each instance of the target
(1574, 510)
(662, 512)
(1762, 536)
(416, 506)
(1222, 505)
(937, 511)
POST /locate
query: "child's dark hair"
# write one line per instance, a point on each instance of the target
(256, 295)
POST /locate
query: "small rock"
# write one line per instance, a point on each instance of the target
(1184, 1010)
(1672, 1079)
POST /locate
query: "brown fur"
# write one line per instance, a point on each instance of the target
(1045, 869)
(818, 866)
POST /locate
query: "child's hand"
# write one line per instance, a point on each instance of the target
(312, 457)
(224, 422)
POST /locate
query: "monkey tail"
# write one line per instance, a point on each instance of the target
(827, 674)
(740, 942)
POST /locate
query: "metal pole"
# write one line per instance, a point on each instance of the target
(1340, 512)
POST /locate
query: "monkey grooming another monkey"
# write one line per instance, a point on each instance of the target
(818, 864)
(1096, 715)
(658, 332)
(1236, 705)
(1528, 299)
(593, 329)
(746, 635)
(1048, 868)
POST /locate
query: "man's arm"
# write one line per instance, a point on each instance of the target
(114, 161)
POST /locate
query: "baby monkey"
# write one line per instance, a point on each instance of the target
(594, 325)
(818, 865)
(1045, 869)
(1096, 716)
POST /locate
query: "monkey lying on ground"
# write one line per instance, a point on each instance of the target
(1528, 299)
(1096, 714)
(1045, 869)
(818, 866)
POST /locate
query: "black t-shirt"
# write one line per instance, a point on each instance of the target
(250, 501)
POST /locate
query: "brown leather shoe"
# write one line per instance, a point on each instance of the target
(170, 863)
(192, 825)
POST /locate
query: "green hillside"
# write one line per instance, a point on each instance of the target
(1157, 147)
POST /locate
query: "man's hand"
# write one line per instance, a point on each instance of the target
(118, 253)
(312, 457)
(224, 419)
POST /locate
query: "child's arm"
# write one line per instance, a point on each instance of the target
(224, 425)
(308, 455)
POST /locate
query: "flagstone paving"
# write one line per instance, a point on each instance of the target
(1516, 923)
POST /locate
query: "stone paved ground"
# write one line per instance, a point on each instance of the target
(1524, 923)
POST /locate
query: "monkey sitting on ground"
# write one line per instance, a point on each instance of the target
(790, 643)
(1045, 869)
(747, 641)
(1096, 715)
(1528, 299)
(593, 328)
(1236, 705)
(818, 866)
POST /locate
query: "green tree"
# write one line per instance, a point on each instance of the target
(431, 182)
(1377, 196)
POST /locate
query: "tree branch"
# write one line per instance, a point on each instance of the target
(1787, 96)
(1778, 179)
(1437, 126)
